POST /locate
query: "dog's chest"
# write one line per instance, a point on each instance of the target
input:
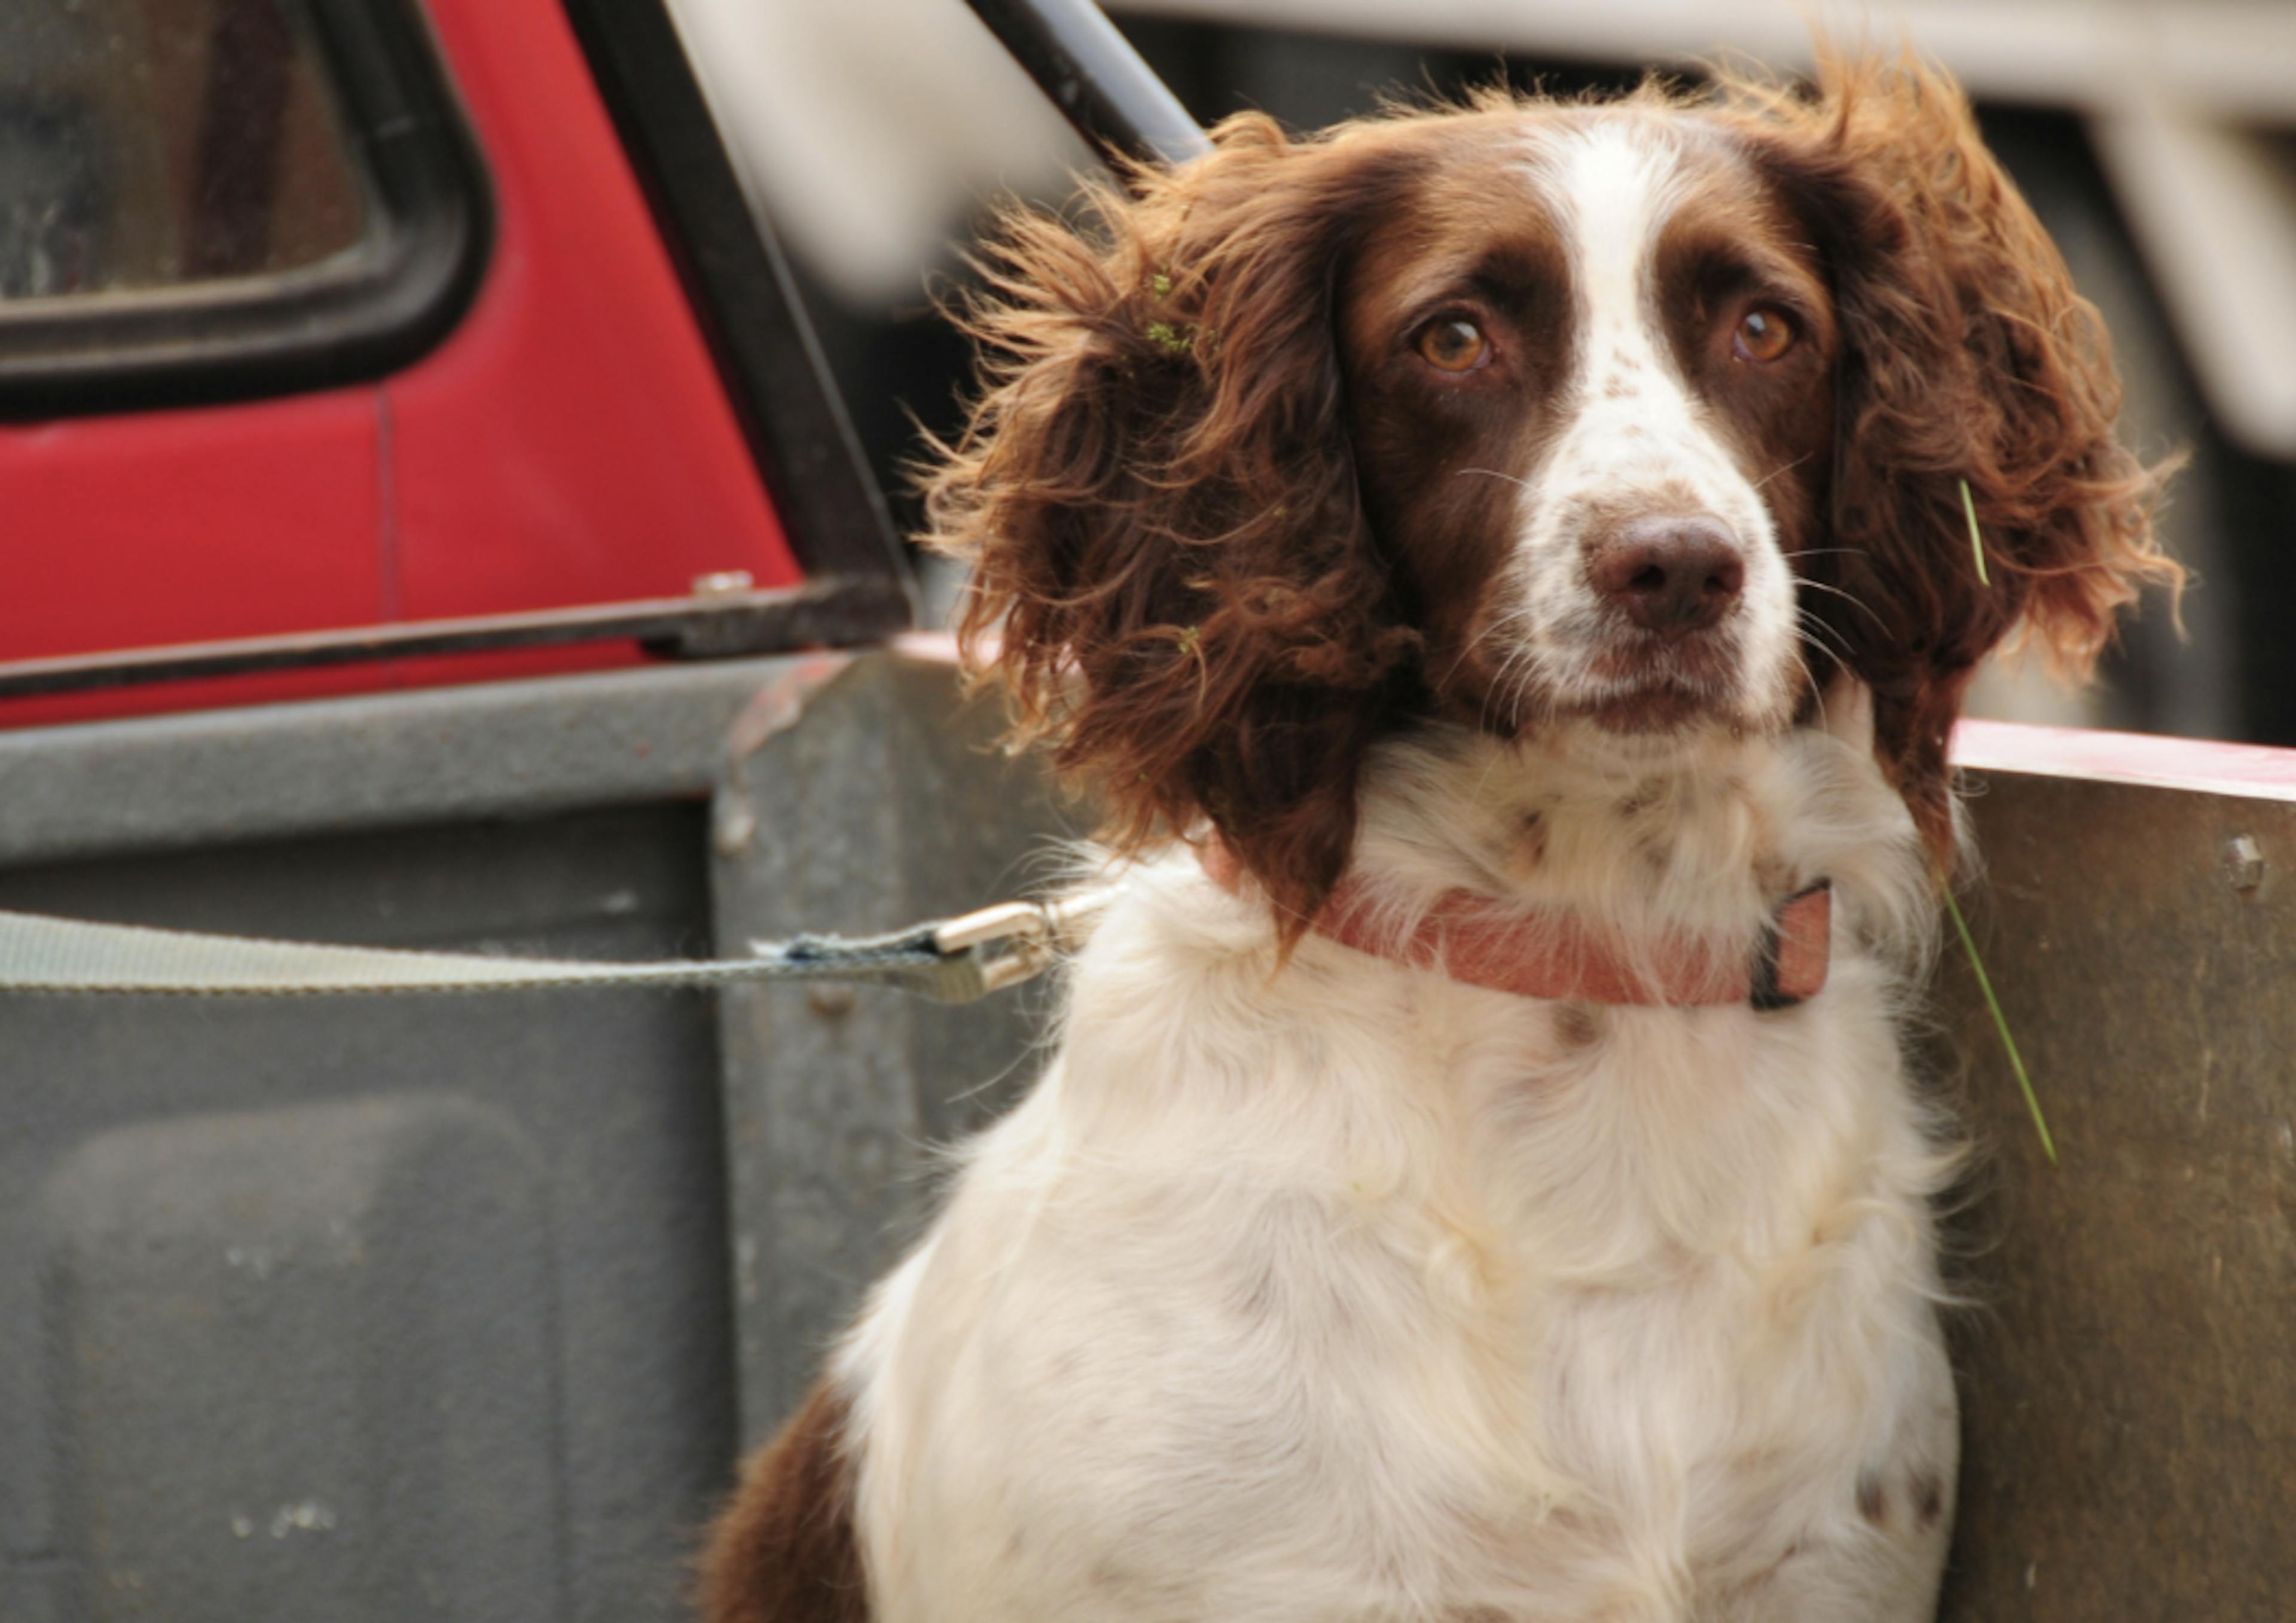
(1634, 1298)
(1357, 1348)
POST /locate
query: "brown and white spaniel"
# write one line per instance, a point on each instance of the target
(1505, 574)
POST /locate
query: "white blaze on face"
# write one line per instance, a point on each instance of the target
(1635, 438)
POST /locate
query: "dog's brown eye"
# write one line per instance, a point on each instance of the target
(1764, 335)
(1453, 344)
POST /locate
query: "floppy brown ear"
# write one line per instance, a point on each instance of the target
(1967, 358)
(1155, 494)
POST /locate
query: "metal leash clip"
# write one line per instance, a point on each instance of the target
(1028, 935)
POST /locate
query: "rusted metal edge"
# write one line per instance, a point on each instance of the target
(830, 612)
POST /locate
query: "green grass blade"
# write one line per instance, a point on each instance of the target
(1977, 545)
(2001, 1023)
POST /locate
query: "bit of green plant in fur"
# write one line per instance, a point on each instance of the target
(2000, 1022)
(1169, 339)
(1961, 925)
(1976, 541)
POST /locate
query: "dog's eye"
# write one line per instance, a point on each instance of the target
(1453, 344)
(1765, 332)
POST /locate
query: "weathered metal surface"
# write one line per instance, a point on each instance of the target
(863, 791)
(359, 1311)
(503, 750)
(2129, 1373)
(355, 1300)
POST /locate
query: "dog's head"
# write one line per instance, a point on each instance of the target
(1610, 424)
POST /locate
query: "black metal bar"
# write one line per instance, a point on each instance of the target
(741, 292)
(830, 612)
(1095, 78)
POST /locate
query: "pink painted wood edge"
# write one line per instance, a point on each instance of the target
(927, 647)
(2252, 771)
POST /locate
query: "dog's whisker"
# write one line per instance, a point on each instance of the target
(1521, 655)
(1783, 468)
(1513, 616)
(1819, 634)
(1852, 598)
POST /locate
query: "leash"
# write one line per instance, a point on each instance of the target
(950, 960)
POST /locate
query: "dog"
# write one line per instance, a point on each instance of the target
(1507, 574)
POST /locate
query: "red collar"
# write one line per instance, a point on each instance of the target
(1553, 956)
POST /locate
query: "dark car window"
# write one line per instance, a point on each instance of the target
(145, 143)
(203, 199)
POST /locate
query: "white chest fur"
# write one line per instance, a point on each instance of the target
(1346, 1292)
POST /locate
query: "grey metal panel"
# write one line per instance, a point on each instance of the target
(434, 1287)
(865, 791)
(360, 1292)
(510, 748)
(2129, 1390)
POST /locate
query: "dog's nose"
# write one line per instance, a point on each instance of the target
(1671, 575)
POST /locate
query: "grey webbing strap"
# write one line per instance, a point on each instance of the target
(955, 961)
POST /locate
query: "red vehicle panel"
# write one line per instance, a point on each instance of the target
(572, 443)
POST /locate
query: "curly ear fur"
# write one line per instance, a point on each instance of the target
(1967, 355)
(1157, 496)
